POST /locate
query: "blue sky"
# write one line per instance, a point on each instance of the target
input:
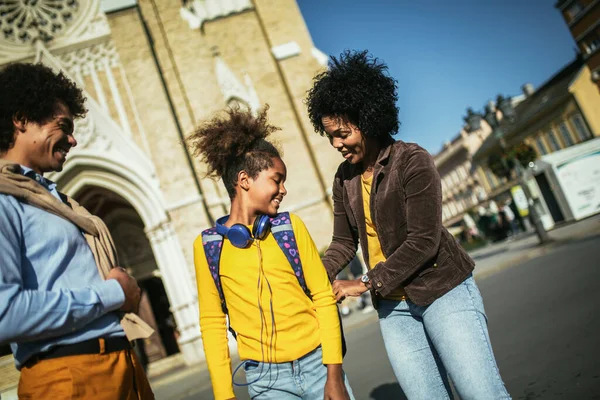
(446, 55)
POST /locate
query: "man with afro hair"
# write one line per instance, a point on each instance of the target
(64, 322)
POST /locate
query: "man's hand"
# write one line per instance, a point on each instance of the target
(344, 288)
(130, 288)
(335, 389)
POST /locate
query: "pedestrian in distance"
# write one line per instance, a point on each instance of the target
(260, 269)
(65, 305)
(387, 197)
(511, 220)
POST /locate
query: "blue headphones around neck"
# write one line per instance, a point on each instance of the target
(239, 235)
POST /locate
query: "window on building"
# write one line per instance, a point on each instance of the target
(474, 199)
(455, 177)
(448, 181)
(453, 210)
(553, 140)
(491, 178)
(574, 10)
(580, 128)
(565, 134)
(541, 146)
(592, 42)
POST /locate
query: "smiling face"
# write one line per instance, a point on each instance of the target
(345, 137)
(43, 147)
(267, 190)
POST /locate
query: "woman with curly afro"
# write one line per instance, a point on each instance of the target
(387, 197)
(282, 308)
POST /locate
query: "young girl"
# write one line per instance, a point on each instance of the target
(288, 339)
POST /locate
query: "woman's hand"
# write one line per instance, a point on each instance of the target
(344, 288)
(335, 389)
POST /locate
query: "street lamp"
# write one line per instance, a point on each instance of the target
(508, 113)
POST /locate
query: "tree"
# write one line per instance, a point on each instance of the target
(502, 162)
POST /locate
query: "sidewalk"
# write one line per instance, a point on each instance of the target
(511, 252)
(489, 260)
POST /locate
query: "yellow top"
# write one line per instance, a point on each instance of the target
(301, 324)
(375, 253)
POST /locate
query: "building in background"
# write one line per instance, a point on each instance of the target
(559, 114)
(583, 19)
(151, 71)
(461, 188)
(569, 181)
(463, 195)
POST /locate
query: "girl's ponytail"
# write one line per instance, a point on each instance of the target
(233, 142)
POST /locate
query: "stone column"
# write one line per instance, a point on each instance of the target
(179, 285)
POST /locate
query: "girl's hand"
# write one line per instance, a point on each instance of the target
(344, 288)
(335, 389)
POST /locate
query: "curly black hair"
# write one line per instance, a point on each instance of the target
(356, 86)
(30, 92)
(233, 143)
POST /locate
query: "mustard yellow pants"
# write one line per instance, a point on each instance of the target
(109, 376)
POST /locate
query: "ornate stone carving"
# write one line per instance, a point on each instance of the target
(84, 131)
(22, 21)
(95, 56)
(89, 137)
(196, 12)
(234, 91)
(59, 24)
(99, 142)
(97, 27)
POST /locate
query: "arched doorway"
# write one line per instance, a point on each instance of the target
(128, 197)
(135, 254)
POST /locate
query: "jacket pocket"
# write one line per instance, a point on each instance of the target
(441, 272)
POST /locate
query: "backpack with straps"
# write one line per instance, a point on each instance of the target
(281, 228)
(283, 232)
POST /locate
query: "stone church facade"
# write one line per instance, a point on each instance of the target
(151, 71)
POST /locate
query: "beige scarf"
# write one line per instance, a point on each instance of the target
(26, 190)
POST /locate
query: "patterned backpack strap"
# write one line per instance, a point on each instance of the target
(283, 232)
(213, 243)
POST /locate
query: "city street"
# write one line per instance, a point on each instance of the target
(544, 319)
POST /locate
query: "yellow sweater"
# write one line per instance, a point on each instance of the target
(375, 252)
(301, 324)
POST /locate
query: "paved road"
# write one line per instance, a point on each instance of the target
(544, 322)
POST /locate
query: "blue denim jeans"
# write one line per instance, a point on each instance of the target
(300, 379)
(448, 337)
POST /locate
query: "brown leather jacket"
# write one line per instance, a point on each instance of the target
(406, 206)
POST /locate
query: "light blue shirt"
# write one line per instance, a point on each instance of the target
(51, 292)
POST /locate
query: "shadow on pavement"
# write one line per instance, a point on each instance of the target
(510, 247)
(488, 254)
(388, 391)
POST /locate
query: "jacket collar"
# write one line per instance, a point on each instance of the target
(384, 155)
(354, 185)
